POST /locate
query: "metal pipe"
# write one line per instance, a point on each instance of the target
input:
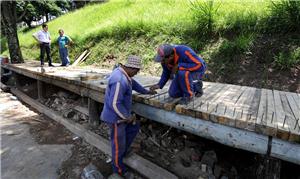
(226, 135)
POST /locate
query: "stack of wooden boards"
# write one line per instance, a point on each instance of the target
(81, 58)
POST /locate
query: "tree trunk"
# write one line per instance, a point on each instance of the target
(8, 13)
(28, 22)
(47, 17)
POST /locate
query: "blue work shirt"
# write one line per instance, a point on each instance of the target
(118, 96)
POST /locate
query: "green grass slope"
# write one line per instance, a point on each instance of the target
(232, 36)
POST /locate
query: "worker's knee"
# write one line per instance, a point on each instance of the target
(174, 93)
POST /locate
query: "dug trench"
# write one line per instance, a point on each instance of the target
(186, 155)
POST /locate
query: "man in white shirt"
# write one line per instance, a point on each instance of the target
(43, 37)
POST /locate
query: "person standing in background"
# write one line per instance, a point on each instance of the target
(63, 42)
(44, 39)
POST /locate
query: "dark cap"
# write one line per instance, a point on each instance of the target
(163, 51)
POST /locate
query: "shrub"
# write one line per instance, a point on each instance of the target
(284, 16)
(205, 15)
(236, 46)
(287, 60)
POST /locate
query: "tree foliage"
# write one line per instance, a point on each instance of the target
(29, 11)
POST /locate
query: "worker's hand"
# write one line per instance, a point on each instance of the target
(66, 46)
(154, 87)
(175, 69)
(152, 92)
(131, 119)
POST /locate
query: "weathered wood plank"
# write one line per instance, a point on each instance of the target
(270, 114)
(295, 110)
(253, 109)
(230, 104)
(214, 101)
(261, 121)
(224, 104)
(290, 119)
(242, 109)
(196, 107)
(282, 131)
(186, 109)
(79, 58)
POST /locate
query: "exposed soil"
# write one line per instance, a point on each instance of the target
(256, 67)
(47, 131)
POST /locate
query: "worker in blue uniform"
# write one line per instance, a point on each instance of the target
(117, 110)
(185, 66)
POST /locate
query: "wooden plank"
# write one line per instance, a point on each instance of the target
(189, 109)
(211, 92)
(296, 98)
(270, 114)
(253, 109)
(224, 103)
(214, 101)
(261, 121)
(79, 58)
(283, 132)
(85, 57)
(230, 104)
(170, 103)
(295, 110)
(242, 109)
(290, 119)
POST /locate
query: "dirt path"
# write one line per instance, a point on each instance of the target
(21, 155)
(33, 146)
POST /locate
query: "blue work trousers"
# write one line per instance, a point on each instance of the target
(64, 56)
(122, 136)
(185, 84)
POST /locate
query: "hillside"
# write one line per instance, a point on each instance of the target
(244, 43)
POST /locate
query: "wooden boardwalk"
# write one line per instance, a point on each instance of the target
(269, 112)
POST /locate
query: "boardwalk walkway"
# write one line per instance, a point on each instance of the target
(269, 112)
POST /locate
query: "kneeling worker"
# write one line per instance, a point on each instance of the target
(187, 67)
